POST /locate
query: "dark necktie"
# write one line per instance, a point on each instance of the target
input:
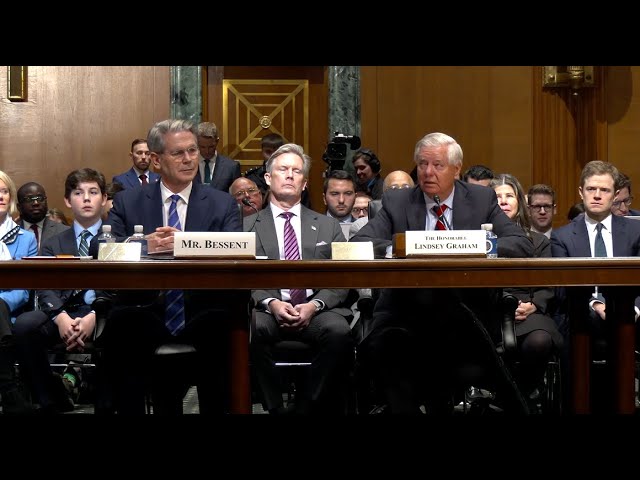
(207, 171)
(599, 248)
(439, 211)
(143, 179)
(34, 227)
(174, 315)
(83, 249)
(291, 252)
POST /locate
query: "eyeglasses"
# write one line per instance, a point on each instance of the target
(627, 201)
(357, 210)
(398, 187)
(539, 208)
(179, 154)
(34, 199)
(248, 191)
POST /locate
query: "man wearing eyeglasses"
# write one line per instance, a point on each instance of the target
(242, 188)
(542, 208)
(622, 202)
(32, 204)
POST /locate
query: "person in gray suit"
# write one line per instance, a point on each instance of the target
(33, 208)
(215, 169)
(315, 317)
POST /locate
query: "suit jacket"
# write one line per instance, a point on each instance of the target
(50, 229)
(318, 231)
(129, 179)
(23, 245)
(209, 210)
(226, 171)
(405, 209)
(53, 301)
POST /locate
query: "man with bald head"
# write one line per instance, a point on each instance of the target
(397, 179)
(242, 188)
(32, 204)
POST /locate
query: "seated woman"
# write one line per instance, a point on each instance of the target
(536, 331)
(16, 243)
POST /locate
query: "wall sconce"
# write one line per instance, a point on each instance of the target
(17, 84)
(573, 77)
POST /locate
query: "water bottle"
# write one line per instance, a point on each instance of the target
(106, 236)
(138, 236)
(492, 240)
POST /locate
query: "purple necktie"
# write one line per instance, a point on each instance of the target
(291, 252)
(143, 179)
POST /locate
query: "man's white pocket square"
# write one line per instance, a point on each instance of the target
(319, 244)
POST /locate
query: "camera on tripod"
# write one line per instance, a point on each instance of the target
(336, 153)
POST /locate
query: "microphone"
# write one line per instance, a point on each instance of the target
(442, 218)
(248, 203)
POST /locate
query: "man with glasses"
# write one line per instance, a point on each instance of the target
(542, 208)
(623, 199)
(242, 188)
(32, 204)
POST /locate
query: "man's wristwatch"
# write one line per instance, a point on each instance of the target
(319, 305)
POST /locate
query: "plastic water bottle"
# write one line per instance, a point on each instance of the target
(492, 240)
(106, 236)
(138, 236)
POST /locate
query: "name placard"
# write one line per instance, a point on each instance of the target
(119, 251)
(444, 243)
(352, 250)
(214, 244)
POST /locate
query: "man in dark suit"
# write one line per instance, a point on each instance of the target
(32, 204)
(174, 153)
(286, 230)
(416, 329)
(215, 169)
(63, 314)
(139, 173)
(622, 202)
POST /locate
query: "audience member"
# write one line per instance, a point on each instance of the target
(402, 343)
(63, 314)
(361, 206)
(286, 230)
(623, 199)
(197, 317)
(112, 189)
(57, 215)
(478, 174)
(575, 210)
(242, 188)
(339, 195)
(213, 168)
(15, 243)
(397, 179)
(32, 204)
(536, 331)
(139, 174)
(367, 166)
(542, 208)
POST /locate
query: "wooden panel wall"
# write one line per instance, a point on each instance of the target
(78, 117)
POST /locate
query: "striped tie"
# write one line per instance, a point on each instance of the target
(83, 249)
(291, 252)
(174, 315)
(439, 211)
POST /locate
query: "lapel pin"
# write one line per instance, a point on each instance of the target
(313, 227)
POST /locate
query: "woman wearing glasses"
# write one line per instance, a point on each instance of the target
(17, 243)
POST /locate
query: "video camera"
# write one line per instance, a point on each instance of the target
(336, 153)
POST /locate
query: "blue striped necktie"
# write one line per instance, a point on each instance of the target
(291, 252)
(83, 249)
(174, 315)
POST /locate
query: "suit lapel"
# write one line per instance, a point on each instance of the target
(309, 231)
(265, 230)
(581, 239)
(195, 212)
(462, 208)
(153, 209)
(132, 178)
(68, 243)
(619, 235)
(417, 211)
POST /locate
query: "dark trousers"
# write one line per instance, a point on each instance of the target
(329, 335)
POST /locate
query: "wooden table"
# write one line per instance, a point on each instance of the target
(396, 273)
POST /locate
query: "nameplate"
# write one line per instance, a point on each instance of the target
(352, 250)
(441, 243)
(214, 245)
(119, 251)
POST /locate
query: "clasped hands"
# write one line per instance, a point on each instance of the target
(161, 240)
(74, 331)
(523, 310)
(290, 317)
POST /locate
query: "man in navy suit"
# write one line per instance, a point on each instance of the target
(174, 153)
(215, 169)
(314, 317)
(430, 329)
(65, 315)
(139, 173)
